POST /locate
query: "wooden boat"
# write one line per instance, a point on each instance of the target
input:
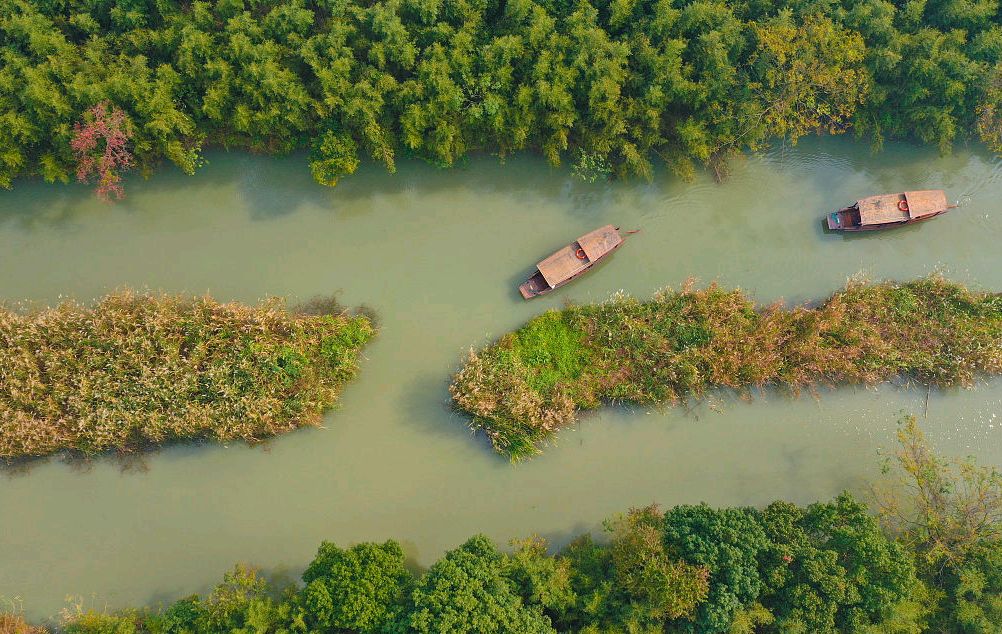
(572, 261)
(889, 210)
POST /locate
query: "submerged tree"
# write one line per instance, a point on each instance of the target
(99, 146)
(944, 508)
(949, 512)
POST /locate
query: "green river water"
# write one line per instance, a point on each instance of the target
(439, 254)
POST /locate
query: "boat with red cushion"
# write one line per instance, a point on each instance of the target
(889, 210)
(572, 261)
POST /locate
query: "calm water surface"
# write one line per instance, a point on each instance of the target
(439, 254)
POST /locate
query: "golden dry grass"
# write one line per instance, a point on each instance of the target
(14, 623)
(139, 369)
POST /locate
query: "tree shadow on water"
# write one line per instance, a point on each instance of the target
(32, 206)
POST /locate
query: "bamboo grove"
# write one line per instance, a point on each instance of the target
(619, 87)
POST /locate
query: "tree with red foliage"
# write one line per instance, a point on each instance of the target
(103, 122)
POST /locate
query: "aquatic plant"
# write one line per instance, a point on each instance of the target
(138, 369)
(679, 344)
(12, 622)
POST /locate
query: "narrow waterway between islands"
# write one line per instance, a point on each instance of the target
(438, 254)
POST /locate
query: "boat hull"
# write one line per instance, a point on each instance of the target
(836, 221)
(534, 286)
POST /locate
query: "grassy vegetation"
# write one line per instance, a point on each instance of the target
(935, 565)
(14, 623)
(137, 369)
(679, 344)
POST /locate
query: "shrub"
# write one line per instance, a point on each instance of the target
(361, 589)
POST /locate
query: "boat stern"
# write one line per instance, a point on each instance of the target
(534, 286)
(835, 221)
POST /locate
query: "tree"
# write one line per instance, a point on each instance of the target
(657, 586)
(728, 543)
(469, 590)
(99, 145)
(361, 589)
(830, 568)
(944, 509)
(242, 604)
(634, 582)
(949, 513)
(541, 580)
(808, 76)
(990, 112)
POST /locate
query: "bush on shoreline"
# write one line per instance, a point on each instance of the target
(822, 568)
(140, 369)
(825, 568)
(677, 345)
(609, 85)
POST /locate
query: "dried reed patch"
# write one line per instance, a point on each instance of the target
(139, 369)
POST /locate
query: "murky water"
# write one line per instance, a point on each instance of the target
(439, 254)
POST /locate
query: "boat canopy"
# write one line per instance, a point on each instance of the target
(600, 241)
(565, 264)
(890, 208)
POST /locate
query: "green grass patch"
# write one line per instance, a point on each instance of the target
(552, 351)
(678, 344)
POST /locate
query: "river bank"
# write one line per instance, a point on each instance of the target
(906, 563)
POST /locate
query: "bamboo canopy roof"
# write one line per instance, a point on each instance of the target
(887, 208)
(565, 263)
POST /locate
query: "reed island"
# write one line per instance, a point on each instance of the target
(137, 369)
(675, 346)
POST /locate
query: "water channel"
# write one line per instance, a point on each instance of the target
(438, 253)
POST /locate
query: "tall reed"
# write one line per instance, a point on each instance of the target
(529, 384)
(137, 369)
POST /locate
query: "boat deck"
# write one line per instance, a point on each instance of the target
(565, 263)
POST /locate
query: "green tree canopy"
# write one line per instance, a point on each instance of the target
(470, 591)
(361, 589)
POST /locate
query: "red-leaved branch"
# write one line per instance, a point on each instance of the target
(99, 145)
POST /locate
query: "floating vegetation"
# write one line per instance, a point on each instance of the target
(677, 345)
(141, 369)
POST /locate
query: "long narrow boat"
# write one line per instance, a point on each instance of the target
(571, 261)
(889, 210)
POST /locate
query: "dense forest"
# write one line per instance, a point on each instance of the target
(611, 86)
(934, 564)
